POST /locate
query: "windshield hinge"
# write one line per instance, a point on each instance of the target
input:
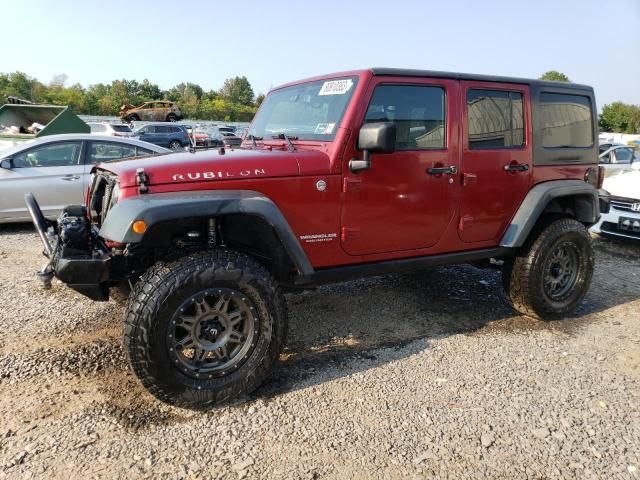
(142, 179)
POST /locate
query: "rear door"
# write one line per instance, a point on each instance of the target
(496, 157)
(52, 172)
(401, 203)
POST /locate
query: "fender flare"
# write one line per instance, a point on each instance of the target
(539, 197)
(161, 207)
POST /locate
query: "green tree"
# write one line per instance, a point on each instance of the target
(620, 117)
(555, 76)
(237, 90)
(260, 99)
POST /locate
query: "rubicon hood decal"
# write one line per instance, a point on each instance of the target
(210, 166)
(212, 175)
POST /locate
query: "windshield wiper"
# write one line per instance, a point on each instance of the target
(284, 136)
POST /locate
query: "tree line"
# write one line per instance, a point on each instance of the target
(235, 101)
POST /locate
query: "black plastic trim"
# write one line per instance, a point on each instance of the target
(162, 207)
(538, 198)
(349, 272)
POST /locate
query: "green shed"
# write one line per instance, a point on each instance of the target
(56, 119)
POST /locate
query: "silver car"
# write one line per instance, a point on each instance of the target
(111, 129)
(56, 169)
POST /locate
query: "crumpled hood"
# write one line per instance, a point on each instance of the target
(624, 185)
(210, 165)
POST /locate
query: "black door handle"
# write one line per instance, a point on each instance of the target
(516, 167)
(440, 170)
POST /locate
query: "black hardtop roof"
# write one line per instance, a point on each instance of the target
(402, 72)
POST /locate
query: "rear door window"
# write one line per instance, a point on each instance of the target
(121, 128)
(566, 120)
(104, 151)
(495, 119)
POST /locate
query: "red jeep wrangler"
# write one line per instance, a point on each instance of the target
(340, 176)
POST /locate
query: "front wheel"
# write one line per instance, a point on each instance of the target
(204, 329)
(551, 273)
(172, 118)
(175, 145)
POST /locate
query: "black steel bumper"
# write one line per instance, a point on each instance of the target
(85, 273)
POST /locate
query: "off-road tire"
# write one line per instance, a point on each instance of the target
(175, 145)
(172, 118)
(523, 276)
(156, 300)
(133, 118)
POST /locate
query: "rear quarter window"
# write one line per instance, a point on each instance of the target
(566, 120)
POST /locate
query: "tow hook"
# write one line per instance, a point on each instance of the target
(45, 276)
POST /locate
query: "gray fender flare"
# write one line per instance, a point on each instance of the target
(161, 207)
(539, 197)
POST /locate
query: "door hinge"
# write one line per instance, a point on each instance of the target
(351, 184)
(349, 233)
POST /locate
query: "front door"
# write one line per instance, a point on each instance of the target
(401, 203)
(54, 173)
(496, 157)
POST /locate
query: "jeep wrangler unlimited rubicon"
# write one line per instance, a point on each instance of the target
(341, 176)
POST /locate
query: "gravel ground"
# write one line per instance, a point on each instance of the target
(420, 375)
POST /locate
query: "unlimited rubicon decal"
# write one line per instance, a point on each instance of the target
(319, 237)
(255, 172)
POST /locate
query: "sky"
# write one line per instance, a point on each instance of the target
(274, 42)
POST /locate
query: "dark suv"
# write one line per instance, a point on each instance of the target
(174, 137)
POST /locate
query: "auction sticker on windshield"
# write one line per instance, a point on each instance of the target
(336, 87)
(324, 128)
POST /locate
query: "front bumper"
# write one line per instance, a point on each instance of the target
(85, 271)
(620, 222)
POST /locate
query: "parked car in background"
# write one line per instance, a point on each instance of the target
(198, 136)
(230, 139)
(174, 137)
(112, 129)
(57, 167)
(224, 137)
(623, 219)
(156, 111)
(616, 158)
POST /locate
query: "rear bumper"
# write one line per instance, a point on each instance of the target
(83, 271)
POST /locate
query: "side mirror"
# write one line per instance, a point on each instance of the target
(7, 163)
(377, 137)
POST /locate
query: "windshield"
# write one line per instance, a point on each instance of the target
(310, 111)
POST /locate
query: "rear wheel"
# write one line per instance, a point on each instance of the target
(133, 118)
(204, 329)
(551, 273)
(175, 145)
(171, 118)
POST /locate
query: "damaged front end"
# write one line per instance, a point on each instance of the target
(77, 255)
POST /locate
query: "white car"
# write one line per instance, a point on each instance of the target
(56, 169)
(623, 219)
(111, 129)
(616, 158)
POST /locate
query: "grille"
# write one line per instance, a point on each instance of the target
(626, 204)
(100, 195)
